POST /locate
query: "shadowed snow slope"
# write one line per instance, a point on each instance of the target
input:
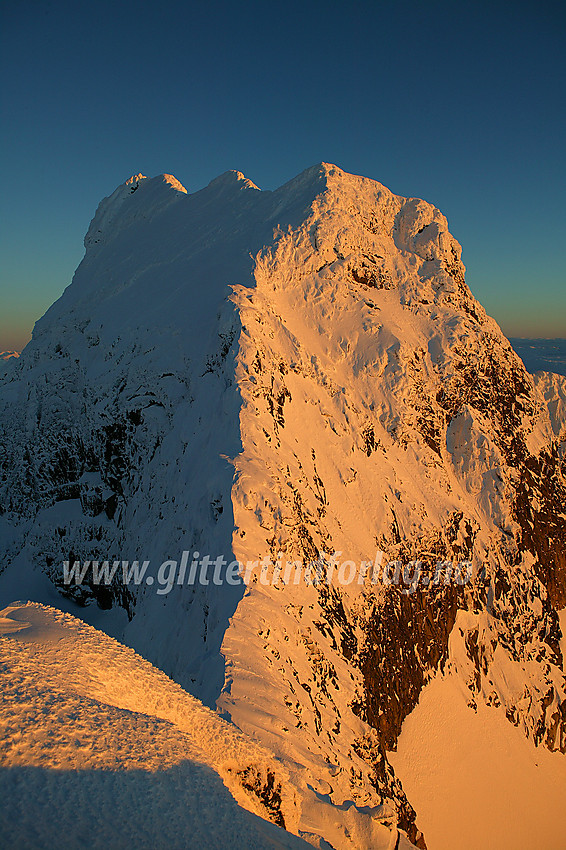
(299, 373)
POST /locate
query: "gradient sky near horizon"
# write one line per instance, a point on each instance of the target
(458, 103)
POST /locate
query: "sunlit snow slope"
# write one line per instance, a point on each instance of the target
(99, 749)
(474, 782)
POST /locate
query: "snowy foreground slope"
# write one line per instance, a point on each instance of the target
(100, 749)
(298, 375)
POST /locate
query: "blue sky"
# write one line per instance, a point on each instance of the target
(461, 104)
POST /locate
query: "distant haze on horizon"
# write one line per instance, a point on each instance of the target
(457, 105)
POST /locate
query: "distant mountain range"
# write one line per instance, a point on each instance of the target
(542, 355)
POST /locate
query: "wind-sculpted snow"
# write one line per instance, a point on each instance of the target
(98, 745)
(299, 374)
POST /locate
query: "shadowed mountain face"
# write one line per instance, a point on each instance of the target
(296, 375)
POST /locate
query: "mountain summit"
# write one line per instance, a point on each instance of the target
(298, 376)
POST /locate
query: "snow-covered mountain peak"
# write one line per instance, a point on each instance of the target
(172, 181)
(135, 179)
(296, 373)
(138, 197)
(232, 178)
(324, 170)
